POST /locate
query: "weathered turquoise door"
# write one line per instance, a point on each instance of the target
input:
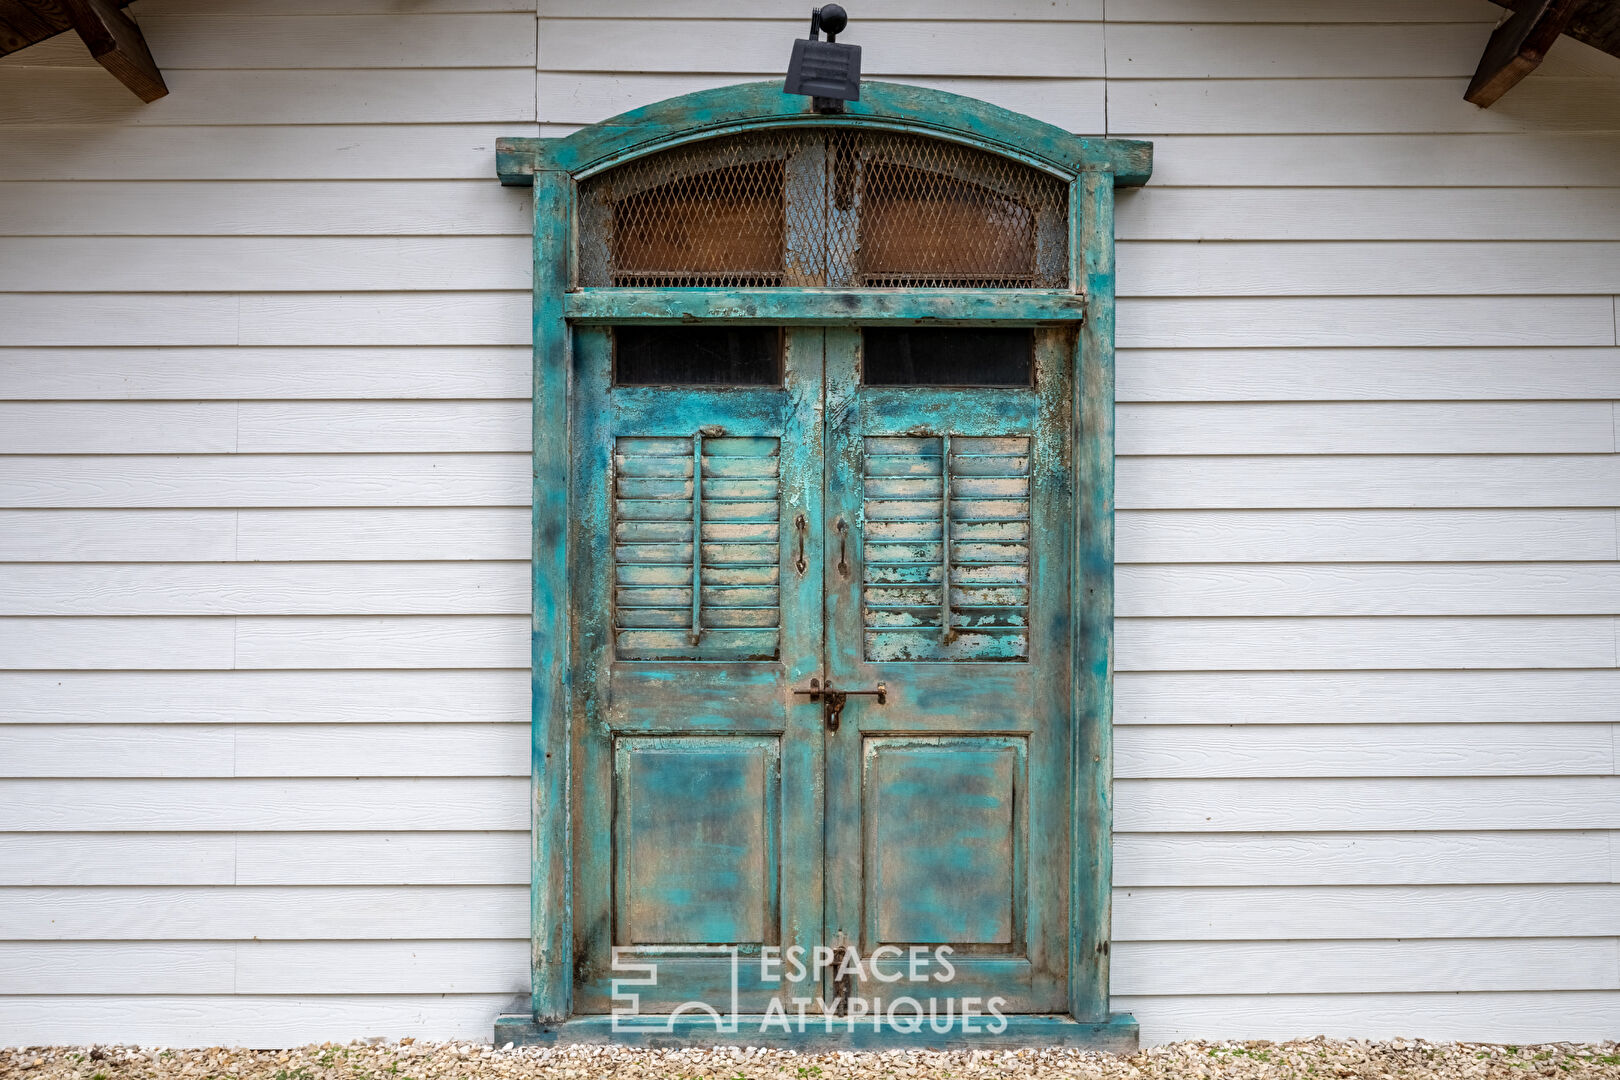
(698, 780)
(822, 651)
(848, 537)
(948, 585)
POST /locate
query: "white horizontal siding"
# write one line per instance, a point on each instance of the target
(231, 372)
(264, 493)
(305, 858)
(270, 913)
(313, 197)
(1379, 696)
(1366, 858)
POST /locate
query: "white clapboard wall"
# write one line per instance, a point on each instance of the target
(264, 523)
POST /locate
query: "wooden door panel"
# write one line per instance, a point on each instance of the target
(697, 776)
(695, 840)
(948, 801)
(944, 842)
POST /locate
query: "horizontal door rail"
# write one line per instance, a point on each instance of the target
(823, 307)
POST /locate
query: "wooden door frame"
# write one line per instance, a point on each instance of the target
(1093, 168)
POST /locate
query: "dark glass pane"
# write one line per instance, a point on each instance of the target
(947, 357)
(697, 356)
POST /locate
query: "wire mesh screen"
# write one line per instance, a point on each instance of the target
(818, 207)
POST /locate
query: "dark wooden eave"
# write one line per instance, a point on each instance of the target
(1519, 44)
(111, 36)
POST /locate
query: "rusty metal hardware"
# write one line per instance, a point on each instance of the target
(843, 985)
(833, 701)
(800, 527)
(897, 211)
(843, 545)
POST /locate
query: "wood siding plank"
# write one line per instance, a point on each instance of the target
(239, 913)
(72, 536)
(1355, 643)
(367, 858)
(303, 480)
(1310, 322)
(1361, 374)
(263, 264)
(384, 533)
(69, 97)
(1531, 158)
(1364, 967)
(1207, 49)
(294, 374)
(1364, 913)
(1017, 49)
(273, 750)
(1418, 805)
(247, 152)
(266, 697)
(1317, 536)
(1355, 106)
(1405, 427)
(1273, 750)
(1363, 858)
(1338, 589)
(1358, 268)
(573, 98)
(1402, 214)
(1369, 697)
(1480, 480)
(275, 805)
(457, 588)
(103, 208)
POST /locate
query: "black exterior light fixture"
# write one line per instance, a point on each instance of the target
(825, 71)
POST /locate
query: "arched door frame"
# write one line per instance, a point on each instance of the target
(1093, 168)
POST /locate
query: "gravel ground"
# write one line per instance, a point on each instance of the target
(1328, 1059)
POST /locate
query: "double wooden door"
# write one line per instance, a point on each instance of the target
(739, 552)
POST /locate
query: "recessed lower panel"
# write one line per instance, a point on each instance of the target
(695, 839)
(944, 841)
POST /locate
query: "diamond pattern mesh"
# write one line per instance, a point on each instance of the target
(839, 208)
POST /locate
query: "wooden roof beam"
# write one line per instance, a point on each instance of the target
(1517, 48)
(117, 44)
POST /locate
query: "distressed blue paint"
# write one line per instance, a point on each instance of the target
(1118, 1033)
(825, 307)
(550, 648)
(695, 839)
(944, 845)
(576, 720)
(893, 106)
(1092, 599)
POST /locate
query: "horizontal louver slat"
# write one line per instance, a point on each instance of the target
(946, 512)
(738, 539)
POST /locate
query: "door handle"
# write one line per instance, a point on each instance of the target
(800, 527)
(843, 546)
(833, 701)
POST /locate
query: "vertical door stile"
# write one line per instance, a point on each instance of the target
(550, 926)
(803, 753)
(947, 635)
(697, 537)
(948, 801)
(1091, 215)
(843, 636)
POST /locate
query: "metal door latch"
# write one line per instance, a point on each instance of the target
(833, 701)
(843, 984)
